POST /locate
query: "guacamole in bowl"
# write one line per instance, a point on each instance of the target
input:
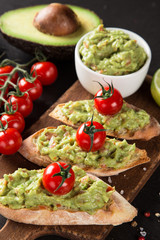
(111, 52)
(114, 55)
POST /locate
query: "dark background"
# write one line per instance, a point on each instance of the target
(142, 17)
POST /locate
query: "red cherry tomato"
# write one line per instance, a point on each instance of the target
(53, 183)
(14, 120)
(24, 103)
(46, 72)
(84, 140)
(108, 106)
(34, 89)
(8, 69)
(10, 141)
(3, 70)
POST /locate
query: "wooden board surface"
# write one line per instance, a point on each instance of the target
(131, 182)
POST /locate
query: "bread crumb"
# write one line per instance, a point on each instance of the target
(143, 233)
(109, 180)
(157, 214)
(122, 192)
(134, 224)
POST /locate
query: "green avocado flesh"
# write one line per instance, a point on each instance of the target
(111, 52)
(23, 189)
(60, 143)
(126, 120)
(18, 24)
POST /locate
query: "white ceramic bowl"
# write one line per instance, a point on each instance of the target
(126, 84)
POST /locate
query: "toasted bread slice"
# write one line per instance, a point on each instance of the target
(119, 211)
(31, 152)
(151, 130)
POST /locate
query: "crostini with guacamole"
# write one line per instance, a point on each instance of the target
(61, 195)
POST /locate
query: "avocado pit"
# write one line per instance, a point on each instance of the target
(56, 19)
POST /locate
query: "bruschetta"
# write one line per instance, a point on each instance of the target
(129, 123)
(24, 199)
(53, 144)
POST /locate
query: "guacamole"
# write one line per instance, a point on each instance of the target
(60, 143)
(111, 52)
(23, 189)
(127, 119)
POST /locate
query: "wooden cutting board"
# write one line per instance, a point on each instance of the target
(131, 182)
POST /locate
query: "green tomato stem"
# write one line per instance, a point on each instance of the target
(91, 130)
(64, 173)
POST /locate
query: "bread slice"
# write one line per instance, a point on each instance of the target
(31, 152)
(149, 131)
(119, 211)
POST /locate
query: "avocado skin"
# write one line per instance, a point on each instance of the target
(58, 53)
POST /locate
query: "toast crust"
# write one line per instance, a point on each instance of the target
(119, 211)
(149, 131)
(30, 151)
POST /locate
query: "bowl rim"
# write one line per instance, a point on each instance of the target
(146, 48)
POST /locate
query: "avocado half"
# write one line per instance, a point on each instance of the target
(17, 27)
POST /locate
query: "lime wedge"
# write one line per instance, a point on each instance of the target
(155, 87)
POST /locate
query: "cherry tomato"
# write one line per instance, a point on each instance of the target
(46, 72)
(24, 103)
(84, 141)
(34, 89)
(109, 106)
(10, 141)
(55, 184)
(3, 70)
(8, 69)
(14, 120)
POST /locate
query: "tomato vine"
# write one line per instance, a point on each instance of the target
(18, 89)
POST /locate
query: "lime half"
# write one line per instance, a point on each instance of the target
(155, 87)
